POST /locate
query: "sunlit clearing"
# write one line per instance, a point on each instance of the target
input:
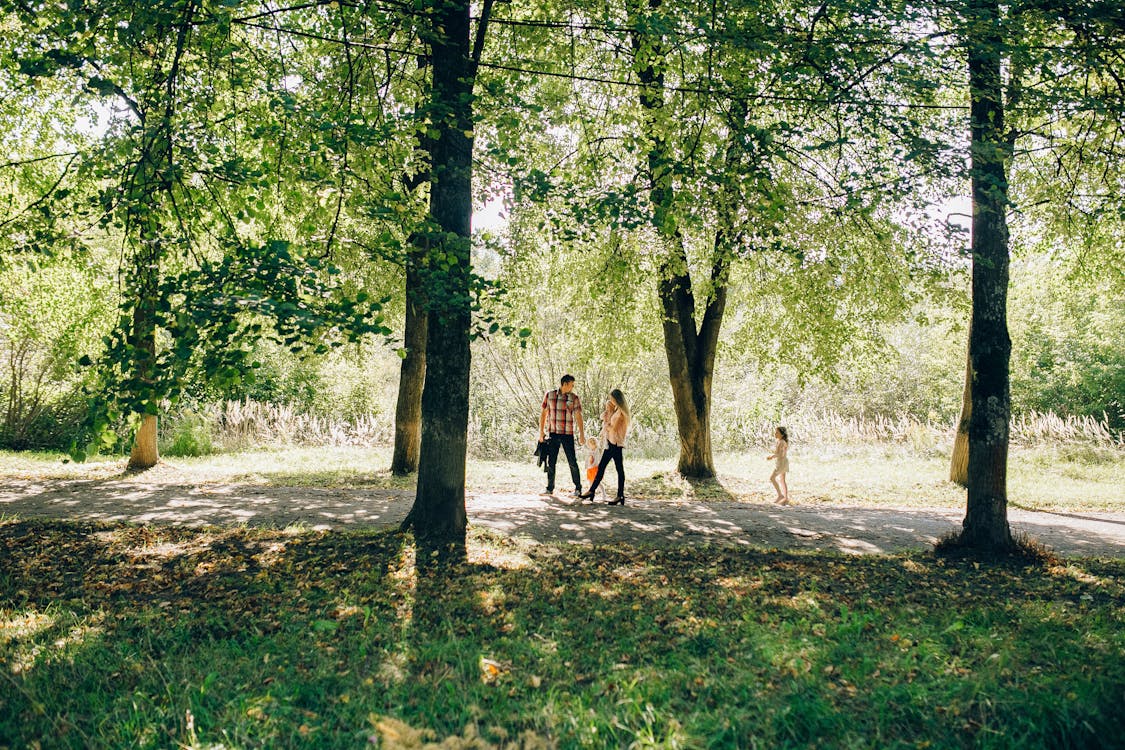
(14, 627)
(1079, 575)
(804, 601)
(507, 558)
(27, 655)
(739, 585)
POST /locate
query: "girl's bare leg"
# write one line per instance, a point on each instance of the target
(785, 488)
(773, 481)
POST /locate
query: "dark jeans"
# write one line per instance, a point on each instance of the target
(615, 452)
(567, 443)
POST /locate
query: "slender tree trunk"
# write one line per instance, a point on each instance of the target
(149, 191)
(438, 516)
(408, 410)
(145, 453)
(690, 352)
(986, 519)
(412, 375)
(959, 463)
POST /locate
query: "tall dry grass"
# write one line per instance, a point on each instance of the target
(1035, 427)
(242, 425)
(1028, 430)
(233, 426)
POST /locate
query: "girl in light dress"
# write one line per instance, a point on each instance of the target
(593, 456)
(780, 458)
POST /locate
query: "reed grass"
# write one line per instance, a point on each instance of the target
(236, 426)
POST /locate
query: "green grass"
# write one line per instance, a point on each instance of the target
(1048, 477)
(120, 636)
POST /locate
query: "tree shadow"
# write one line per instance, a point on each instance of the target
(1062, 514)
(710, 488)
(675, 486)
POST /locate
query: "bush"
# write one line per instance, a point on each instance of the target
(54, 427)
(50, 315)
(188, 433)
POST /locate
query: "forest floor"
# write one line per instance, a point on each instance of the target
(205, 492)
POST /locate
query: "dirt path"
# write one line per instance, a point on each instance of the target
(547, 519)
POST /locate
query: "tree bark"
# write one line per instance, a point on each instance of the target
(151, 185)
(986, 519)
(412, 375)
(959, 462)
(690, 351)
(438, 516)
(145, 454)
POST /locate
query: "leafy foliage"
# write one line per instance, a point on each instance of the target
(51, 313)
(214, 315)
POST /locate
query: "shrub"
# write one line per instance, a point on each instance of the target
(188, 433)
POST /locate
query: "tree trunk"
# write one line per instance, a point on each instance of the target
(408, 411)
(959, 463)
(412, 375)
(438, 516)
(690, 352)
(691, 365)
(151, 186)
(986, 519)
(145, 454)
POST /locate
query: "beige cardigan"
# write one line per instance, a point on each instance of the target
(615, 426)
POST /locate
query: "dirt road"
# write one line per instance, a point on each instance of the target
(857, 530)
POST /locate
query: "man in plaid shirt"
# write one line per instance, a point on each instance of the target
(562, 413)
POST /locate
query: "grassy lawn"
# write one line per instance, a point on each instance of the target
(119, 636)
(1048, 477)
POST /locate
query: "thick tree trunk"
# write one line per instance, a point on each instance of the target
(691, 365)
(408, 411)
(690, 352)
(145, 454)
(959, 462)
(986, 519)
(438, 516)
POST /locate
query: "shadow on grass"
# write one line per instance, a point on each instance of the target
(165, 636)
(1077, 516)
(674, 486)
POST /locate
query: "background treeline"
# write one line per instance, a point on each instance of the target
(1068, 360)
(220, 205)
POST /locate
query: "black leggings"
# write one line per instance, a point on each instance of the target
(614, 452)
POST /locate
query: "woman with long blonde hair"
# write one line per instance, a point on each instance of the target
(615, 424)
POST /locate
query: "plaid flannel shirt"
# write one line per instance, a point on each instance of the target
(563, 410)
